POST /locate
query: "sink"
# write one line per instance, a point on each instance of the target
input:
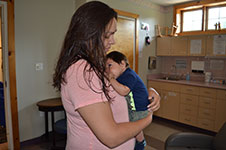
(170, 78)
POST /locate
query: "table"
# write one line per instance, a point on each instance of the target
(50, 105)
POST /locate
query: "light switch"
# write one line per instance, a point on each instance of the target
(38, 66)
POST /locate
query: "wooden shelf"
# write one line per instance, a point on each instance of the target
(203, 32)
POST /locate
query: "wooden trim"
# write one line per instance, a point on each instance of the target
(136, 48)
(135, 16)
(204, 5)
(203, 33)
(12, 74)
(127, 14)
(198, 3)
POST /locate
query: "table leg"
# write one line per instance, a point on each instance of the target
(46, 125)
(53, 131)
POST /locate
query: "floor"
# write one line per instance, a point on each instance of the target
(158, 131)
(155, 134)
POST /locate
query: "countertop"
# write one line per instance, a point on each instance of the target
(185, 82)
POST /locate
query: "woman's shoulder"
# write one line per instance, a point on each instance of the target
(78, 65)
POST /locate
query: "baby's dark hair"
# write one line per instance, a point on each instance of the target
(118, 57)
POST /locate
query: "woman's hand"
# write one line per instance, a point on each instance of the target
(154, 100)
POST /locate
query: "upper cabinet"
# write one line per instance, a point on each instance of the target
(163, 46)
(179, 46)
(196, 45)
(199, 45)
(216, 45)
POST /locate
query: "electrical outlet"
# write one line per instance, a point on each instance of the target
(38, 66)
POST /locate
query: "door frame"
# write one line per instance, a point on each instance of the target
(135, 17)
(12, 75)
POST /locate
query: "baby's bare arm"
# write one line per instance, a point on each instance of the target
(118, 87)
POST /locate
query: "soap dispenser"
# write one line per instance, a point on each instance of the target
(188, 76)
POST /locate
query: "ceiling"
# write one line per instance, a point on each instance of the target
(170, 2)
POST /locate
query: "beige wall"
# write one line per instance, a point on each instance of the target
(151, 14)
(40, 26)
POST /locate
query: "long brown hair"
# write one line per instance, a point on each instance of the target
(83, 40)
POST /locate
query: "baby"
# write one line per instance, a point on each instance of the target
(127, 83)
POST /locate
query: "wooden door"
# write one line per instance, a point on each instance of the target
(126, 38)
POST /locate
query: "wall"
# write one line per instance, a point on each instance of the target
(218, 73)
(148, 13)
(40, 26)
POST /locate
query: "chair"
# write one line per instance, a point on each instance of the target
(197, 141)
(60, 127)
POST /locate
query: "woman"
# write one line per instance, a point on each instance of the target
(97, 117)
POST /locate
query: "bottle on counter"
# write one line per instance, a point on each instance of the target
(188, 76)
(208, 76)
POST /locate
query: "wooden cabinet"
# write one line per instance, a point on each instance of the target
(170, 99)
(200, 45)
(171, 105)
(197, 106)
(163, 46)
(196, 45)
(172, 46)
(207, 108)
(189, 105)
(220, 109)
(211, 49)
(179, 46)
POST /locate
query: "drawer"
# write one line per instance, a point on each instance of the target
(208, 92)
(206, 102)
(154, 84)
(189, 99)
(221, 94)
(171, 87)
(191, 120)
(207, 113)
(193, 90)
(205, 124)
(188, 109)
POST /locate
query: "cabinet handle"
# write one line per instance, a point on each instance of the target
(204, 124)
(206, 102)
(206, 92)
(165, 97)
(188, 110)
(189, 90)
(188, 99)
(187, 119)
(207, 114)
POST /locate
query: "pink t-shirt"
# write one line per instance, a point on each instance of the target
(76, 94)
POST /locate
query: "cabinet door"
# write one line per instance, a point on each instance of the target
(171, 105)
(159, 112)
(179, 46)
(213, 47)
(196, 45)
(220, 109)
(163, 46)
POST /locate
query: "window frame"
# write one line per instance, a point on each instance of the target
(182, 19)
(207, 14)
(204, 5)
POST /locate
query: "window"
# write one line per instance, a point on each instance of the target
(216, 15)
(192, 20)
(201, 17)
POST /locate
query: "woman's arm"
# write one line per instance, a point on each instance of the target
(100, 119)
(119, 88)
(154, 100)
